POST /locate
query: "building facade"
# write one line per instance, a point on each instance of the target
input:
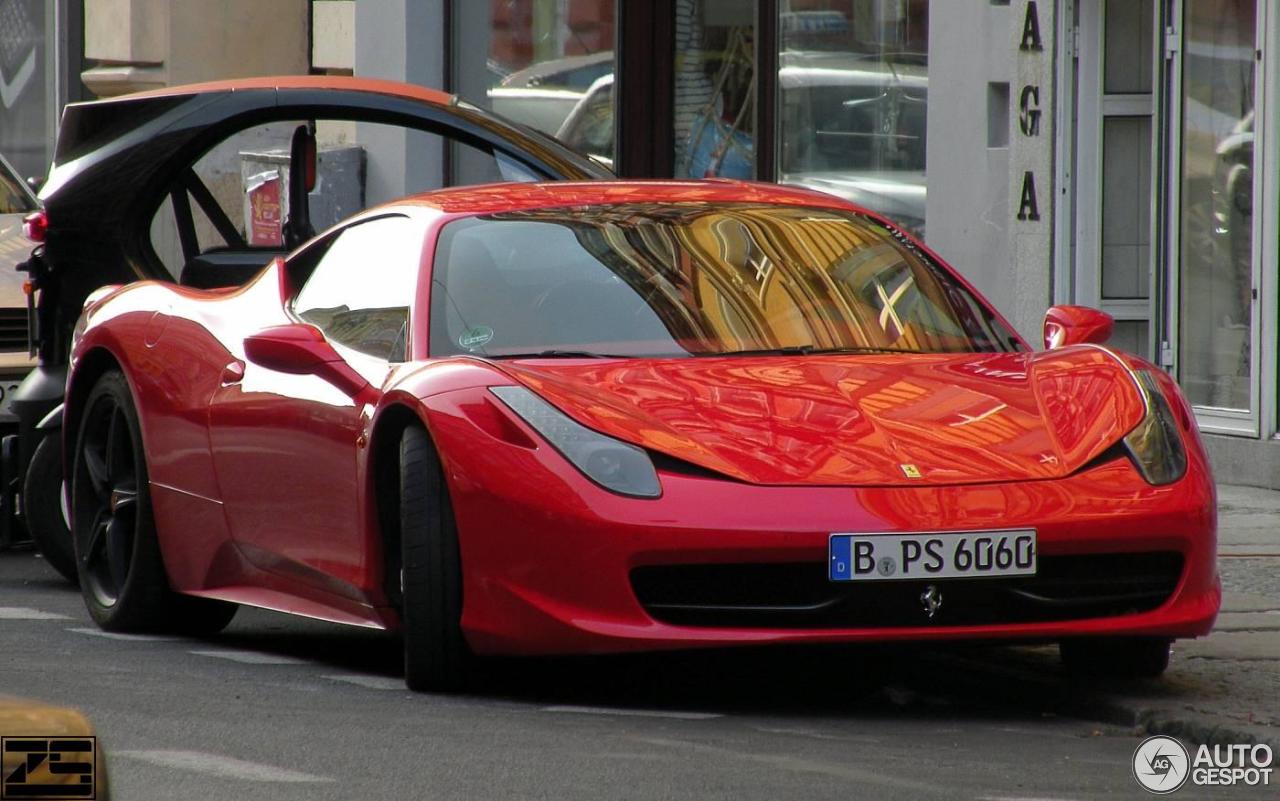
(1110, 153)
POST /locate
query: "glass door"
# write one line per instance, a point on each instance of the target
(1214, 240)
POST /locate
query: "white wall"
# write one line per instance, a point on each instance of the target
(401, 40)
(144, 44)
(969, 210)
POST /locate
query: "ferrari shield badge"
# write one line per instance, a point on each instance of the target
(910, 471)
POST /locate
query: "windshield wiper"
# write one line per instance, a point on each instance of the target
(556, 354)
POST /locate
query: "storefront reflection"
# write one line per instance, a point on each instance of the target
(1218, 83)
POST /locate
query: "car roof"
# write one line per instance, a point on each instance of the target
(492, 198)
(340, 82)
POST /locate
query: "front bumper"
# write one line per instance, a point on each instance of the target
(549, 559)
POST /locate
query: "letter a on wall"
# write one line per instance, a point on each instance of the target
(1031, 29)
(1028, 208)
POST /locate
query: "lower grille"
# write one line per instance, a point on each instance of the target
(799, 595)
(13, 329)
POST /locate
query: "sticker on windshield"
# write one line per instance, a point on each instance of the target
(476, 337)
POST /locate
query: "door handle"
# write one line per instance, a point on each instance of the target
(233, 373)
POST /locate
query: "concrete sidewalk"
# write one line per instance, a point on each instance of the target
(1225, 688)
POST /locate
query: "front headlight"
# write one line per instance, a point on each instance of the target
(617, 466)
(1156, 445)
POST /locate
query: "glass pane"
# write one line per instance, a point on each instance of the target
(853, 90)
(1128, 31)
(715, 89)
(1132, 336)
(537, 62)
(1126, 207)
(687, 279)
(1217, 202)
(359, 292)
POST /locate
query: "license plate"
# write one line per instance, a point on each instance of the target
(939, 555)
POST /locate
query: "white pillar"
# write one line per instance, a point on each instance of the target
(402, 40)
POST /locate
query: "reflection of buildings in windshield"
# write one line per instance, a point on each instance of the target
(753, 278)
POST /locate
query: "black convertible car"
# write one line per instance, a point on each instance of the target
(203, 185)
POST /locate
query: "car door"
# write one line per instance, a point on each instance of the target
(285, 445)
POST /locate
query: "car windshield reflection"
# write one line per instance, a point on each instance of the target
(679, 280)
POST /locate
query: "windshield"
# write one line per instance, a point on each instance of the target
(676, 280)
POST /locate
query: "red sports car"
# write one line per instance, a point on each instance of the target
(614, 416)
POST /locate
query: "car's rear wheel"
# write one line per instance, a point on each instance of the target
(1117, 657)
(42, 507)
(122, 575)
(435, 654)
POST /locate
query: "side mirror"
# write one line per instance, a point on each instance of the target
(1074, 325)
(300, 349)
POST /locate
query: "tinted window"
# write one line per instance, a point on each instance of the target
(362, 288)
(691, 279)
(14, 198)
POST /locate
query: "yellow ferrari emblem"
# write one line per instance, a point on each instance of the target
(910, 471)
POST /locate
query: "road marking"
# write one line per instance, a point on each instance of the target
(371, 682)
(27, 613)
(794, 764)
(112, 635)
(632, 713)
(251, 657)
(221, 766)
(1019, 798)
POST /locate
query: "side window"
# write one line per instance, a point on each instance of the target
(361, 290)
(230, 207)
(14, 198)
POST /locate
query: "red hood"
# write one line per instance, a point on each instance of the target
(857, 420)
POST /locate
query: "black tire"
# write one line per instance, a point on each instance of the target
(436, 656)
(42, 508)
(1116, 657)
(122, 575)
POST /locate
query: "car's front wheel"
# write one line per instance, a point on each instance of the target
(1116, 657)
(435, 654)
(122, 575)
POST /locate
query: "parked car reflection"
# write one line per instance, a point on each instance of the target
(854, 126)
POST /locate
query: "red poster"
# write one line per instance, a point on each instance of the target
(265, 214)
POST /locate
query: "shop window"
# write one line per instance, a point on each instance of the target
(715, 89)
(1218, 84)
(853, 91)
(537, 62)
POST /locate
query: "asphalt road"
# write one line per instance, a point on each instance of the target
(282, 708)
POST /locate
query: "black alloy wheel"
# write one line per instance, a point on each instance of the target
(122, 575)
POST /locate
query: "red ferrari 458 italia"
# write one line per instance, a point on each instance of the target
(613, 416)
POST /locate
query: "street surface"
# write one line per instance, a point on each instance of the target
(284, 708)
